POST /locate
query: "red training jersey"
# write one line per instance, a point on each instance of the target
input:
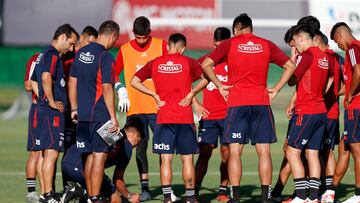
(352, 57)
(29, 70)
(332, 95)
(213, 101)
(248, 57)
(172, 75)
(311, 72)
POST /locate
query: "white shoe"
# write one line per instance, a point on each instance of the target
(32, 197)
(174, 198)
(353, 199)
(312, 201)
(298, 200)
(328, 196)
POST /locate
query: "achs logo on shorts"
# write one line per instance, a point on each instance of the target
(162, 146)
(323, 63)
(170, 67)
(62, 82)
(250, 48)
(37, 142)
(86, 57)
(303, 142)
(236, 135)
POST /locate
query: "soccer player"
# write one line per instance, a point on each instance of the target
(131, 57)
(342, 35)
(309, 119)
(31, 165)
(92, 103)
(212, 124)
(119, 157)
(249, 115)
(173, 75)
(88, 35)
(52, 102)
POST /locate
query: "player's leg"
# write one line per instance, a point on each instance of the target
(166, 176)
(342, 163)
(39, 173)
(88, 158)
(48, 169)
(224, 176)
(355, 151)
(297, 140)
(262, 134)
(31, 176)
(207, 138)
(186, 145)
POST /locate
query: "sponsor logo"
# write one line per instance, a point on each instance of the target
(62, 82)
(39, 57)
(250, 48)
(86, 57)
(37, 142)
(162, 146)
(298, 59)
(61, 139)
(236, 135)
(323, 63)
(303, 142)
(170, 67)
(211, 86)
(80, 144)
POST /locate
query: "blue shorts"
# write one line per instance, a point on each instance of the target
(148, 120)
(88, 140)
(351, 126)
(254, 123)
(50, 129)
(332, 134)
(179, 138)
(210, 131)
(72, 166)
(307, 131)
(32, 138)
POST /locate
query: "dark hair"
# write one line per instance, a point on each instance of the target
(176, 38)
(90, 30)
(311, 21)
(336, 26)
(303, 28)
(141, 26)
(65, 29)
(221, 33)
(109, 27)
(288, 34)
(244, 20)
(323, 37)
(137, 123)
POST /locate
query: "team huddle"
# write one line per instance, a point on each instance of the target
(73, 83)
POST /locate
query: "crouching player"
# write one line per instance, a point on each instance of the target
(119, 156)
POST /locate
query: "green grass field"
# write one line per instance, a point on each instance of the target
(13, 157)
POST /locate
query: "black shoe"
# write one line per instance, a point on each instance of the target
(72, 191)
(52, 198)
(233, 201)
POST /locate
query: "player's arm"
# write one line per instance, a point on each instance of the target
(354, 54)
(199, 108)
(303, 64)
(121, 186)
(46, 77)
(140, 76)
(107, 78)
(34, 87)
(291, 106)
(72, 89)
(279, 58)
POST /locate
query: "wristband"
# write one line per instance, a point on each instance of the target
(118, 85)
(129, 195)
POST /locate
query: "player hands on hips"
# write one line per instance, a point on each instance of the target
(173, 75)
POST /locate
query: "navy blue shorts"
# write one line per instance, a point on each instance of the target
(50, 129)
(72, 166)
(210, 131)
(254, 123)
(332, 134)
(88, 140)
(307, 131)
(32, 138)
(179, 138)
(351, 126)
(148, 120)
